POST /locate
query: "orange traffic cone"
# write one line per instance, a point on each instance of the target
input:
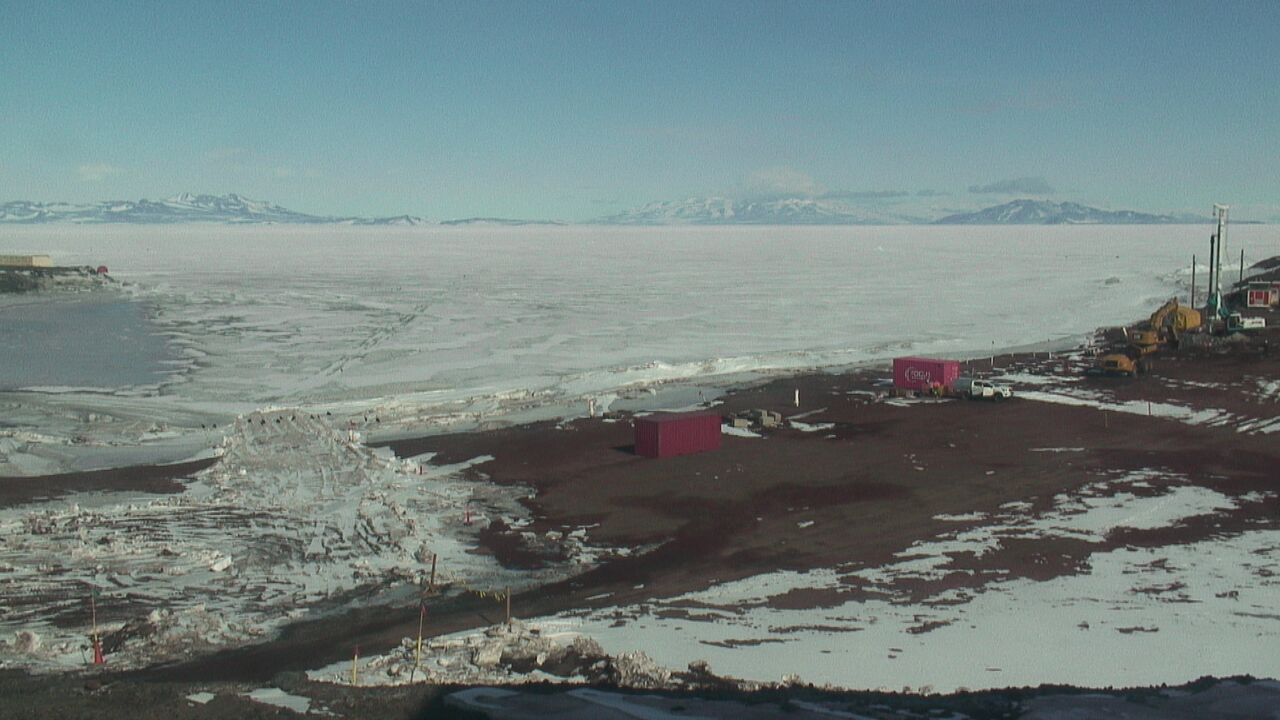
(98, 659)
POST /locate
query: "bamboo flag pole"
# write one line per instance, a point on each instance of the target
(417, 656)
(98, 658)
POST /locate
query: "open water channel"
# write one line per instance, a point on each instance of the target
(94, 341)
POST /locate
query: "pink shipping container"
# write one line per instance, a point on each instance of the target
(667, 435)
(915, 373)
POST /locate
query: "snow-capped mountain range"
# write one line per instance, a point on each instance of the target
(184, 208)
(1043, 212)
(237, 209)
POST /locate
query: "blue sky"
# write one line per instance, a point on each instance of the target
(574, 110)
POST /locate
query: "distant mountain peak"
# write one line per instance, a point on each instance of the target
(1026, 211)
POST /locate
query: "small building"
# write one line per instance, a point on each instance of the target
(922, 374)
(669, 434)
(26, 261)
(1263, 294)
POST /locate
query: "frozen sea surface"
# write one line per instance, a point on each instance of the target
(293, 315)
(416, 330)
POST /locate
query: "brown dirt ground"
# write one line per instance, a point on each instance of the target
(871, 491)
(140, 478)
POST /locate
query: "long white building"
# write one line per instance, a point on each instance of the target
(26, 261)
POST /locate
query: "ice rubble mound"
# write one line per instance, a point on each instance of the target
(297, 512)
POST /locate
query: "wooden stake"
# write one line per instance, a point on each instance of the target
(434, 557)
(1105, 420)
(355, 666)
(508, 606)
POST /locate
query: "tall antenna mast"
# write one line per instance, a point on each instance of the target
(1221, 212)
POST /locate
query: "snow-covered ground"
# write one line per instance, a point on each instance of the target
(339, 330)
(1212, 417)
(1132, 616)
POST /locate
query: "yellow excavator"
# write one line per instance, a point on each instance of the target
(1164, 327)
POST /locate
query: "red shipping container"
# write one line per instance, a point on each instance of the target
(914, 373)
(667, 435)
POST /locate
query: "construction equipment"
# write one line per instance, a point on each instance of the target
(1133, 361)
(1217, 241)
(1165, 326)
(1238, 323)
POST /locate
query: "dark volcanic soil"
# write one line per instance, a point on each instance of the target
(141, 478)
(871, 486)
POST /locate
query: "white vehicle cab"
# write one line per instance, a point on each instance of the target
(975, 389)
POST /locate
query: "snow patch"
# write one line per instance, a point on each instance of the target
(280, 698)
(739, 432)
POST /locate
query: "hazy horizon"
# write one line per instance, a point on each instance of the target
(572, 111)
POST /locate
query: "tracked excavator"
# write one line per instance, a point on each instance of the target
(1165, 326)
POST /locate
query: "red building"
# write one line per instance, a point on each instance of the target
(1263, 294)
(667, 435)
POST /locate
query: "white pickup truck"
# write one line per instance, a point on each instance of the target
(975, 389)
